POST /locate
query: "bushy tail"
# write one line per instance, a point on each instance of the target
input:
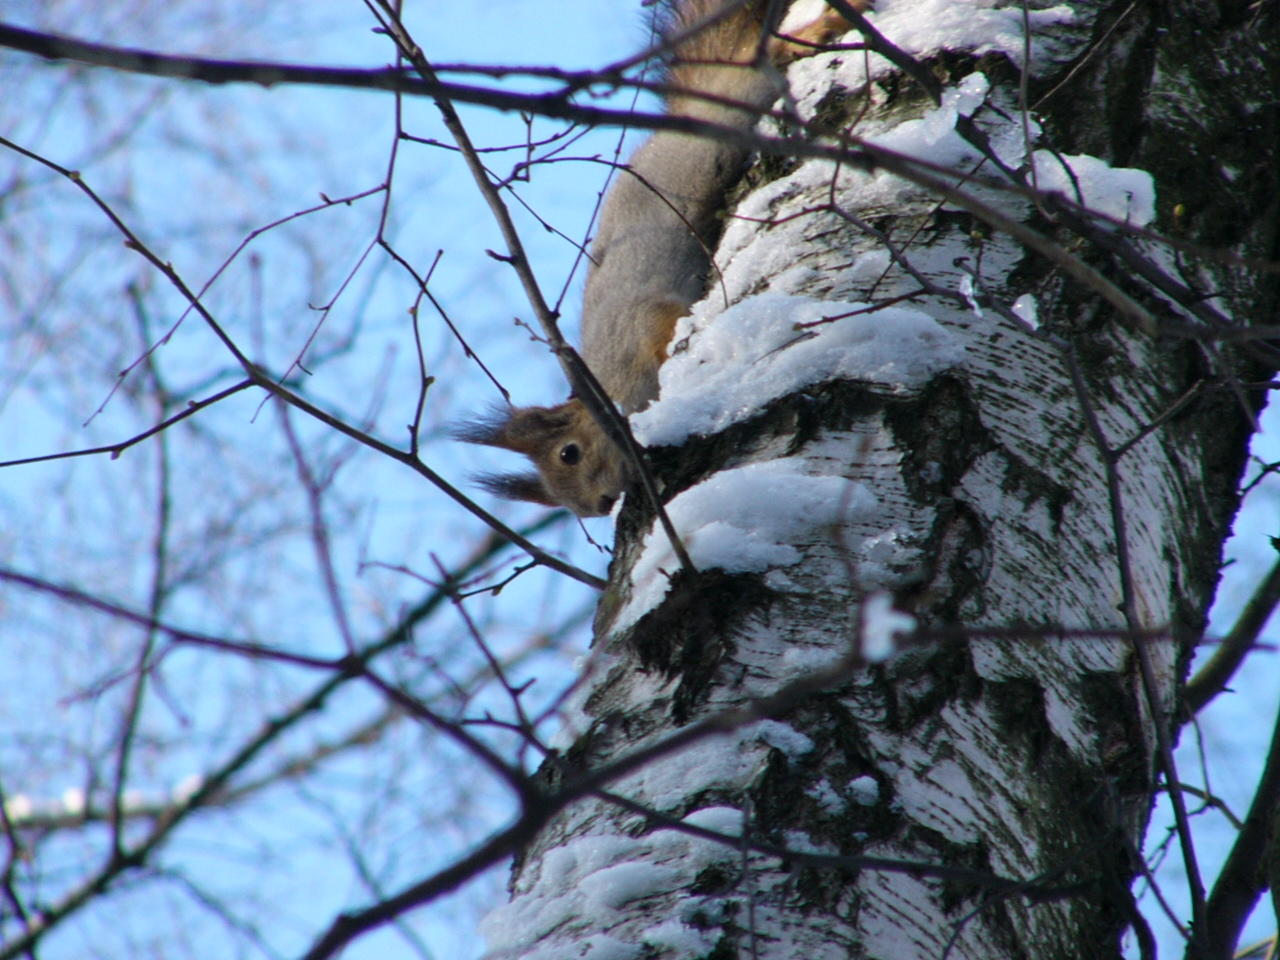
(721, 48)
(715, 49)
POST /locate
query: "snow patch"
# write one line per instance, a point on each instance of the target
(827, 798)
(743, 520)
(1027, 311)
(881, 625)
(782, 737)
(865, 790)
(758, 350)
(967, 291)
(870, 265)
(726, 761)
(562, 870)
(922, 27)
(801, 842)
(726, 820)
(611, 887)
(799, 661)
(933, 136)
(680, 939)
(1122, 193)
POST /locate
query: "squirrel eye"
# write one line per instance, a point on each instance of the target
(570, 454)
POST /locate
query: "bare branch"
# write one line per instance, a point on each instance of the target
(1243, 877)
(1212, 678)
(1150, 687)
(581, 380)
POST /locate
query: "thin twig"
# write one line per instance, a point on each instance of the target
(215, 784)
(541, 808)
(1150, 687)
(1211, 679)
(113, 450)
(583, 383)
(272, 385)
(155, 601)
(1243, 878)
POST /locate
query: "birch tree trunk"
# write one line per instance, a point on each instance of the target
(1047, 499)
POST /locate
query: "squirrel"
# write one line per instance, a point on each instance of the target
(651, 259)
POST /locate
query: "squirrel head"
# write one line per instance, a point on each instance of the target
(579, 467)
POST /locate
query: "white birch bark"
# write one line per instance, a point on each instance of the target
(945, 458)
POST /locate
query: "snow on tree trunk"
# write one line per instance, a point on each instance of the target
(936, 449)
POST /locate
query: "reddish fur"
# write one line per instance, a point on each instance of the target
(643, 261)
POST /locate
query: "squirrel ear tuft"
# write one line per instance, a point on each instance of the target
(527, 430)
(488, 428)
(517, 486)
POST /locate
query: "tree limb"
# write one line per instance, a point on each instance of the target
(1211, 679)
